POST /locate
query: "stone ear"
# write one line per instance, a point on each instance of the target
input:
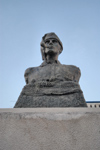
(60, 51)
(42, 53)
(42, 50)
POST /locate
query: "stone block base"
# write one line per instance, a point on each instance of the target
(50, 129)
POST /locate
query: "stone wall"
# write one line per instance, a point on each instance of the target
(50, 129)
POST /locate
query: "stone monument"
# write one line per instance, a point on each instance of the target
(51, 84)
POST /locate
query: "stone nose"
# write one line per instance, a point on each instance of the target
(50, 43)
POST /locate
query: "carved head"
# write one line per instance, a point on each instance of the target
(50, 44)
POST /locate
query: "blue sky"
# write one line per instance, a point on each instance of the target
(22, 25)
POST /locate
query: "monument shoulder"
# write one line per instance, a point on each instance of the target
(27, 72)
(74, 70)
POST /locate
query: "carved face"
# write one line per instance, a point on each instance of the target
(52, 46)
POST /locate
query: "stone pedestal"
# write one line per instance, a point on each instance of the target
(50, 129)
(51, 94)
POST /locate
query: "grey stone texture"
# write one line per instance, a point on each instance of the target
(50, 129)
(51, 84)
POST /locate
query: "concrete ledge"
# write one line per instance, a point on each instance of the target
(50, 129)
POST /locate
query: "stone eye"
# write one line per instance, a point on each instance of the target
(54, 41)
(47, 42)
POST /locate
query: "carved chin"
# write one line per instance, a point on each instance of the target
(50, 51)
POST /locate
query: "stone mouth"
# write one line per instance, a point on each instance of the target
(50, 47)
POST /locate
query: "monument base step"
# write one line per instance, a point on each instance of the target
(50, 129)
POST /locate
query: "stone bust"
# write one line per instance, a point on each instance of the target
(51, 84)
(51, 47)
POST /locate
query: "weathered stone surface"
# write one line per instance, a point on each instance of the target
(51, 94)
(51, 84)
(50, 129)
